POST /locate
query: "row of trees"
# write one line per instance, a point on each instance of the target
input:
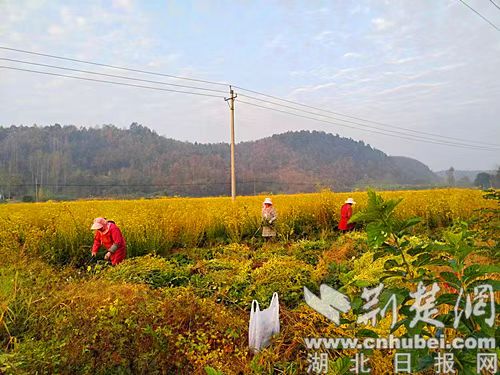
(485, 180)
(482, 180)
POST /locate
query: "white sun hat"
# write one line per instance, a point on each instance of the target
(268, 200)
(350, 200)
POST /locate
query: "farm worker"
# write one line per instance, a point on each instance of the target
(268, 219)
(345, 215)
(107, 234)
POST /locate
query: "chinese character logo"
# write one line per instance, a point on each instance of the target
(329, 304)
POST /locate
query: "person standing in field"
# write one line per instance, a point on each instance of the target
(268, 219)
(345, 215)
(107, 234)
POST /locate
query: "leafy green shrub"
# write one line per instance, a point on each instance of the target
(224, 278)
(270, 251)
(151, 270)
(285, 275)
(309, 251)
(334, 278)
(180, 259)
(408, 261)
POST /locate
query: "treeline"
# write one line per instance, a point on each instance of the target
(68, 162)
(486, 180)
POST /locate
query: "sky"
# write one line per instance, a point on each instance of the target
(431, 66)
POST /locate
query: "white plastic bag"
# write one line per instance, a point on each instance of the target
(263, 324)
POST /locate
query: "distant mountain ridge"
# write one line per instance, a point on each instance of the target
(73, 162)
(414, 171)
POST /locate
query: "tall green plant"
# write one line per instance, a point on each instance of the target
(385, 232)
(389, 236)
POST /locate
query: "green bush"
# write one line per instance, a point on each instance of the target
(151, 270)
(309, 251)
(285, 275)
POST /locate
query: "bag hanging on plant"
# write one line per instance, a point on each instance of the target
(263, 324)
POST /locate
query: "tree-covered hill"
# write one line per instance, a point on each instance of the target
(69, 162)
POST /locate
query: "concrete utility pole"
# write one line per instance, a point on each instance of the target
(230, 101)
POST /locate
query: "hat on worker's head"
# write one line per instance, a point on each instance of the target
(268, 201)
(350, 200)
(99, 223)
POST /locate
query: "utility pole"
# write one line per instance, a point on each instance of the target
(36, 189)
(230, 101)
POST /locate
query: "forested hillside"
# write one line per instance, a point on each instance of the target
(68, 162)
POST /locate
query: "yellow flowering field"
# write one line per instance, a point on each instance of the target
(180, 302)
(158, 225)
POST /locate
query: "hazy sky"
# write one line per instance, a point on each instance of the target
(431, 66)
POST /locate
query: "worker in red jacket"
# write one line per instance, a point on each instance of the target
(345, 215)
(107, 234)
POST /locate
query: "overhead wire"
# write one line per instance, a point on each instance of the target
(480, 15)
(166, 184)
(111, 82)
(495, 4)
(356, 118)
(110, 75)
(112, 66)
(370, 131)
(405, 136)
(469, 143)
(354, 122)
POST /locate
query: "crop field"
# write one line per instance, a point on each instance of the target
(180, 302)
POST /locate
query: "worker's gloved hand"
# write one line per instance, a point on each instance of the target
(94, 254)
(107, 256)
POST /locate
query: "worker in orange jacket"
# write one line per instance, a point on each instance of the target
(345, 215)
(107, 234)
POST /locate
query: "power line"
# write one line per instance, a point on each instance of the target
(216, 96)
(354, 122)
(353, 117)
(468, 142)
(110, 75)
(495, 4)
(370, 131)
(125, 185)
(381, 131)
(112, 66)
(168, 184)
(111, 82)
(479, 14)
